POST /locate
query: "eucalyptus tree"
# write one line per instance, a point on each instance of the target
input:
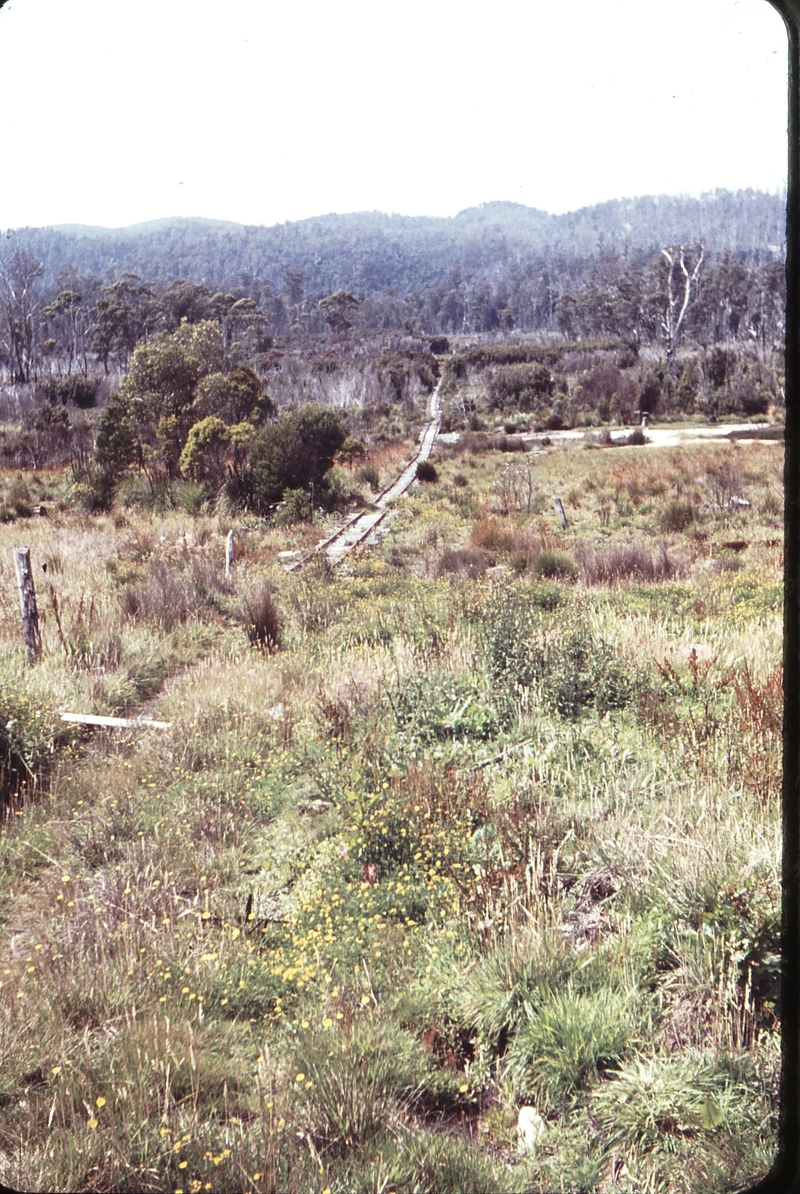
(127, 312)
(19, 304)
(679, 290)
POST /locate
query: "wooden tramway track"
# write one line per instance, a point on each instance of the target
(360, 526)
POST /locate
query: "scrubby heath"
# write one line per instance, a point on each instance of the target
(487, 818)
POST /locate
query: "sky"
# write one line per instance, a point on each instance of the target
(263, 111)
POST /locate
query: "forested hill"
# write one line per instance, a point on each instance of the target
(369, 252)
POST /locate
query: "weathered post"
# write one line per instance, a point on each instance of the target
(229, 552)
(27, 600)
(562, 518)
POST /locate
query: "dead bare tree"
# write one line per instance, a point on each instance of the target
(515, 488)
(677, 306)
(19, 273)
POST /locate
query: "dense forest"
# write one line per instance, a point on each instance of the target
(118, 345)
(369, 252)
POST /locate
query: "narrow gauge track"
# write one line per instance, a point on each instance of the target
(360, 526)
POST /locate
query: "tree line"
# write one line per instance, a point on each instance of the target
(79, 326)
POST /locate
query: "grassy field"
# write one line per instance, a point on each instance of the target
(486, 819)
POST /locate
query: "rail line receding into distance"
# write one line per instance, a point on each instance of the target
(360, 526)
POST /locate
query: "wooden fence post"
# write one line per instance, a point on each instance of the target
(27, 600)
(229, 553)
(562, 518)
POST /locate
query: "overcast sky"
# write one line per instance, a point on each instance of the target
(262, 111)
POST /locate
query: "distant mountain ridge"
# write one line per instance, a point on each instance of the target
(370, 252)
(142, 228)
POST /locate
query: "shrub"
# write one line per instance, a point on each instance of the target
(460, 481)
(492, 535)
(525, 384)
(509, 443)
(351, 450)
(191, 496)
(677, 516)
(461, 562)
(80, 391)
(296, 508)
(292, 452)
(495, 993)
(553, 564)
(443, 1164)
(368, 475)
(28, 740)
(93, 490)
(771, 505)
(427, 711)
(19, 502)
(426, 471)
(648, 1101)
(580, 673)
(205, 451)
(526, 649)
(625, 562)
(473, 441)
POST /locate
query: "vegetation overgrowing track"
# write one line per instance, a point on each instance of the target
(360, 526)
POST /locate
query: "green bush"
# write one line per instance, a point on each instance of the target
(581, 673)
(289, 454)
(94, 489)
(296, 508)
(191, 496)
(443, 1164)
(525, 648)
(677, 516)
(426, 471)
(428, 710)
(368, 475)
(555, 565)
(28, 741)
(80, 391)
(644, 1103)
(496, 992)
(351, 450)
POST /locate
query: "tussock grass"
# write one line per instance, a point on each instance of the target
(628, 562)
